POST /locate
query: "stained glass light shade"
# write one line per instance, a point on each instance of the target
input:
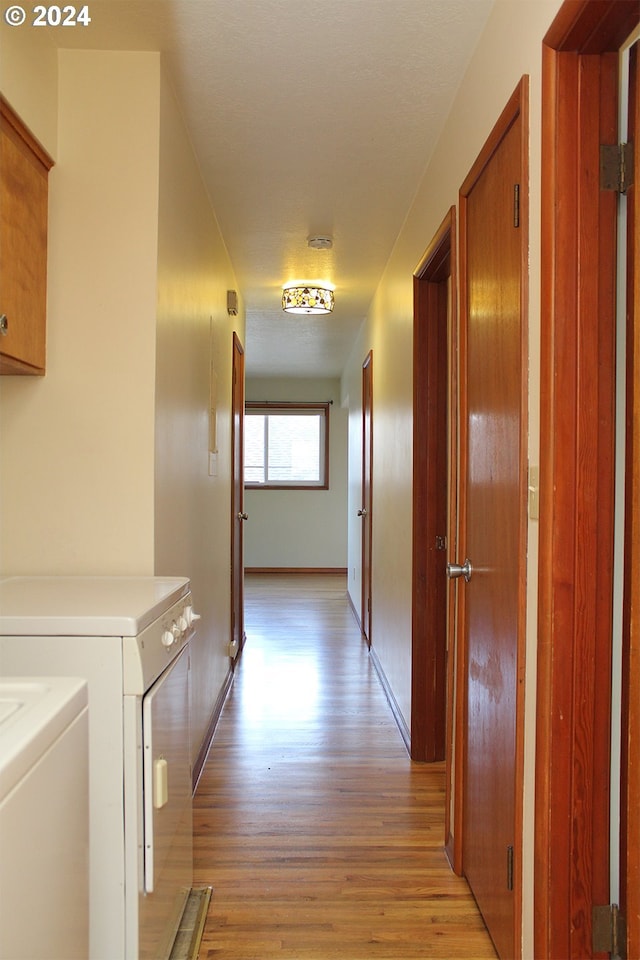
(307, 300)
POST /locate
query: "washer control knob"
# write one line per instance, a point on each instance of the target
(189, 615)
(167, 638)
(182, 624)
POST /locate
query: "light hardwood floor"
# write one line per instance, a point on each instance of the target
(319, 836)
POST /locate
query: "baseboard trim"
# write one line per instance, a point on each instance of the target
(405, 733)
(354, 611)
(301, 571)
(211, 729)
(449, 854)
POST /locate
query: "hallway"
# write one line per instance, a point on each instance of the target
(321, 839)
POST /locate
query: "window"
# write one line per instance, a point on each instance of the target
(286, 445)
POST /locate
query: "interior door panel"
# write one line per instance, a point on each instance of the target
(494, 523)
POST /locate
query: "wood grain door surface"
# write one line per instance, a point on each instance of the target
(493, 529)
(367, 469)
(237, 496)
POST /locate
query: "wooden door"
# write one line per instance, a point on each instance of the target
(365, 510)
(434, 443)
(238, 515)
(493, 207)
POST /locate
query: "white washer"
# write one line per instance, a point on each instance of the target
(44, 819)
(129, 637)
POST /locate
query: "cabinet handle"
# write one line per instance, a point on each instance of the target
(4, 324)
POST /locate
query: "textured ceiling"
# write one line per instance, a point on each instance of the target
(308, 117)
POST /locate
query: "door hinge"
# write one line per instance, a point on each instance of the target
(516, 204)
(609, 930)
(616, 166)
(509, 868)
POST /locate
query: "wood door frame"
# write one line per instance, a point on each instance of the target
(517, 106)
(237, 637)
(367, 499)
(434, 398)
(630, 780)
(579, 92)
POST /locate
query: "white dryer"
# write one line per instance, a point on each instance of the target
(129, 637)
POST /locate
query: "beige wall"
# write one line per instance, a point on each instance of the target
(104, 462)
(301, 528)
(29, 80)
(510, 47)
(77, 445)
(194, 335)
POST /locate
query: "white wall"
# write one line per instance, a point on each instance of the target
(301, 528)
(510, 46)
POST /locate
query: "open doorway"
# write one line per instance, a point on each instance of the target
(434, 493)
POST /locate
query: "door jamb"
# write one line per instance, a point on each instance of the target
(579, 89)
(630, 780)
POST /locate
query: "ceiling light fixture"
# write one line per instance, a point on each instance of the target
(303, 298)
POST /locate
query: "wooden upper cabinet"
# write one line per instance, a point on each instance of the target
(24, 170)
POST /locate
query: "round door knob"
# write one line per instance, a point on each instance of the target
(455, 570)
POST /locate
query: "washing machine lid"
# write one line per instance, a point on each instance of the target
(85, 606)
(34, 712)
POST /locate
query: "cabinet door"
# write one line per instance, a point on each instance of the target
(24, 168)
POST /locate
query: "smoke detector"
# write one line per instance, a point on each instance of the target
(320, 243)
